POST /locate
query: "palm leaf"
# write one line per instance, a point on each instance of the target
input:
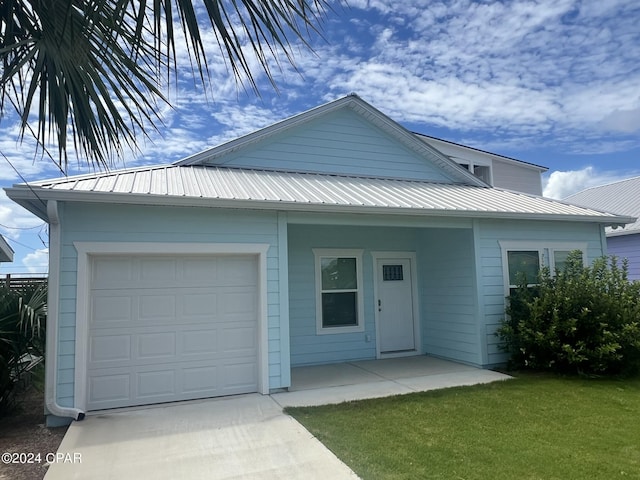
(93, 70)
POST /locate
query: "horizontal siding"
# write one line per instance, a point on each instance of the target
(512, 177)
(339, 143)
(627, 247)
(448, 295)
(307, 347)
(113, 223)
(492, 289)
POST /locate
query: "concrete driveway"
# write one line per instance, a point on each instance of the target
(245, 436)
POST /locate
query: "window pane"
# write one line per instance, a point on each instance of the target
(392, 273)
(526, 262)
(339, 309)
(560, 259)
(338, 273)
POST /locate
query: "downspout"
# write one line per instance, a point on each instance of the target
(53, 299)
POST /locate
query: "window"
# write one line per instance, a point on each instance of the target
(339, 304)
(483, 172)
(529, 257)
(559, 260)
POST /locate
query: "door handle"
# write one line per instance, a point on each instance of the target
(379, 305)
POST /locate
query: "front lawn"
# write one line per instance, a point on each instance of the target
(533, 427)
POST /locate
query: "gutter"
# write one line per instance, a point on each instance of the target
(53, 299)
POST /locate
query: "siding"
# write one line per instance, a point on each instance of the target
(114, 223)
(448, 295)
(492, 291)
(512, 177)
(339, 143)
(627, 246)
(306, 346)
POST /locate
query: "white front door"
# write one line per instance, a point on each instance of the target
(395, 306)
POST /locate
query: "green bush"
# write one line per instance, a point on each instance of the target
(22, 337)
(581, 319)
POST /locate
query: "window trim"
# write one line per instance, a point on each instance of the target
(545, 251)
(357, 254)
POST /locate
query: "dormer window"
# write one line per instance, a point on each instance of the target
(483, 172)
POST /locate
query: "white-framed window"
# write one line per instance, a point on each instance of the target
(339, 302)
(480, 170)
(525, 257)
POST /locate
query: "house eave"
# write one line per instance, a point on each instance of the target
(25, 197)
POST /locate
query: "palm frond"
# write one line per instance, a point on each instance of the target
(95, 69)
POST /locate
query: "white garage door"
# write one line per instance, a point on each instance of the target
(171, 328)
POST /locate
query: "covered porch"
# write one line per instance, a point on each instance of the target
(358, 380)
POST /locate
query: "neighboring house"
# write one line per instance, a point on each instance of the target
(6, 252)
(332, 236)
(622, 198)
(495, 170)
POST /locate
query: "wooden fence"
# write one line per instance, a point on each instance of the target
(19, 282)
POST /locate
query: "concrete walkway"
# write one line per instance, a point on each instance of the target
(244, 436)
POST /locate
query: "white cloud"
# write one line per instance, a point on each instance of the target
(37, 262)
(561, 184)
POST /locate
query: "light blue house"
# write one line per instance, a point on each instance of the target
(331, 236)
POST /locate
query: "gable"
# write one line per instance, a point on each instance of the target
(340, 142)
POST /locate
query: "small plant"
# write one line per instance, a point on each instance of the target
(22, 337)
(581, 319)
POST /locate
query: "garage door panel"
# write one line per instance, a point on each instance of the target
(156, 308)
(109, 349)
(157, 346)
(155, 384)
(159, 339)
(199, 342)
(111, 271)
(151, 384)
(238, 376)
(109, 309)
(110, 390)
(200, 379)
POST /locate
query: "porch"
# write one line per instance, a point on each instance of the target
(341, 382)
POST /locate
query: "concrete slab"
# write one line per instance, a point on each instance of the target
(245, 436)
(326, 384)
(242, 437)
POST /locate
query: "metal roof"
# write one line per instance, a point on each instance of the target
(6, 252)
(264, 189)
(622, 198)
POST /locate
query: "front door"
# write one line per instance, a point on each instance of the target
(395, 306)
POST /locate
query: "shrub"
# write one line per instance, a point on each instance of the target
(581, 319)
(22, 336)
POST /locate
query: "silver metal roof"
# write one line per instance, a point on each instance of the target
(6, 252)
(622, 198)
(263, 189)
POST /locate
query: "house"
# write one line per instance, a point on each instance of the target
(6, 252)
(623, 198)
(495, 170)
(331, 236)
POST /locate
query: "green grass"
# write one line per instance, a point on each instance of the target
(533, 427)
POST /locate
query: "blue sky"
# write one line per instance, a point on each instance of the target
(552, 82)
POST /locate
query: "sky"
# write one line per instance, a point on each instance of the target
(551, 82)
